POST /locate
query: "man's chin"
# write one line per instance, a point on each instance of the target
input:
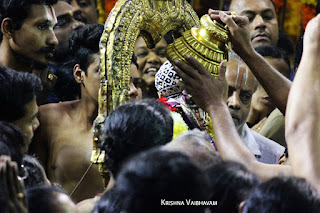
(260, 43)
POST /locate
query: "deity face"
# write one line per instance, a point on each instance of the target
(263, 23)
(35, 41)
(241, 84)
(149, 61)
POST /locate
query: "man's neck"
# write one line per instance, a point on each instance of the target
(8, 59)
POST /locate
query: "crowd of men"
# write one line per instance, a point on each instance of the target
(265, 116)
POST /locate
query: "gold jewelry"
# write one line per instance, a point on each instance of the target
(50, 77)
(20, 195)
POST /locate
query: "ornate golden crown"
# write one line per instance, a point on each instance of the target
(208, 44)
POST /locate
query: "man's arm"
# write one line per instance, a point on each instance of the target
(210, 94)
(275, 84)
(303, 112)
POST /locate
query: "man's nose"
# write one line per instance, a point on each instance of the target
(234, 101)
(258, 22)
(52, 39)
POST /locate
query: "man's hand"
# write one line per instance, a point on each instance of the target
(205, 89)
(239, 31)
(17, 201)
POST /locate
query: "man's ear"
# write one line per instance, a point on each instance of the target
(241, 206)
(7, 28)
(77, 73)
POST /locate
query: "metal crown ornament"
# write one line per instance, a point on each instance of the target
(207, 44)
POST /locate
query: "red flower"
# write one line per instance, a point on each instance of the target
(164, 100)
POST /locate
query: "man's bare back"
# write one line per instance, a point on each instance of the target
(63, 143)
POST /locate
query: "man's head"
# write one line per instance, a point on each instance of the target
(230, 184)
(195, 144)
(88, 8)
(135, 84)
(263, 24)
(18, 100)
(260, 99)
(283, 194)
(12, 140)
(242, 84)
(135, 127)
(156, 175)
(27, 29)
(84, 44)
(69, 19)
(49, 199)
(36, 174)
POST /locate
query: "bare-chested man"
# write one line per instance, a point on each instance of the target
(64, 140)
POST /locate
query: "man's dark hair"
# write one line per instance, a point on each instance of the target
(18, 10)
(35, 170)
(281, 195)
(227, 3)
(155, 176)
(230, 184)
(11, 136)
(16, 90)
(110, 202)
(274, 52)
(42, 199)
(66, 88)
(135, 127)
(84, 43)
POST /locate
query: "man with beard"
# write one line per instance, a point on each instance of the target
(69, 20)
(27, 38)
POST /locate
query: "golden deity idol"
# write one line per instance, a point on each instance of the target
(151, 19)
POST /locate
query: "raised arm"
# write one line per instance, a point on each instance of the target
(275, 84)
(303, 111)
(209, 94)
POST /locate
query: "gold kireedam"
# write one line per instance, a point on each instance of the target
(208, 44)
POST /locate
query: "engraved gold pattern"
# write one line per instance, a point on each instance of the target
(151, 19)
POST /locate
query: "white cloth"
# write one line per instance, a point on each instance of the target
(264, 149)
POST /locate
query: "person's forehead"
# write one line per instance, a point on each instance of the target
(239, 75)
(40, 12)
(239, 6)
(62, 8)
